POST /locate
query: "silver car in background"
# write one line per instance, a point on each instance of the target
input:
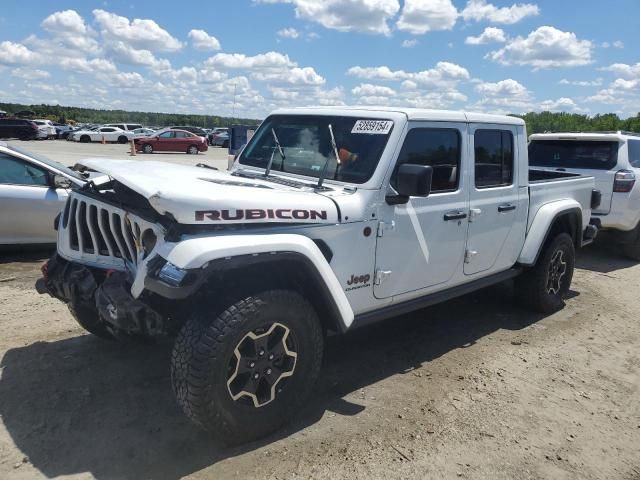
(33, 190)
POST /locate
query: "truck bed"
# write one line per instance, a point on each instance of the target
(549, 186)
(541, 176)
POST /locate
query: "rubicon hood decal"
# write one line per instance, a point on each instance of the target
(200, 196)
(261, 214)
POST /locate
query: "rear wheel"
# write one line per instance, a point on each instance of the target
(243, 373)
(85, 139)
(225, 144)
(192, 150)
(147, 148)
(543, 287)
(122, 139)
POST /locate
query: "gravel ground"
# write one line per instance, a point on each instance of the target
(473, 388)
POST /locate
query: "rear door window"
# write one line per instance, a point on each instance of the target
(493, 158)
(634, 153)
(585, 154)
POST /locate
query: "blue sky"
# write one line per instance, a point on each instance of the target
(251, 56)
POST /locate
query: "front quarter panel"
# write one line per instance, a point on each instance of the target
(198, 251)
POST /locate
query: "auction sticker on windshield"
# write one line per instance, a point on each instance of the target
(379, 127)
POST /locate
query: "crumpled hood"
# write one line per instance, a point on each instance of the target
(198, 196)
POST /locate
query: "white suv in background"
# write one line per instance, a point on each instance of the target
(613, 159)
(124, 126)
(46, 128)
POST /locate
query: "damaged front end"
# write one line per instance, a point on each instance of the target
(106, 294)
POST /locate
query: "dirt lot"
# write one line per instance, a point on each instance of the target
(474, 388)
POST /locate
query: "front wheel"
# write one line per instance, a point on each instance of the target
(192, 150)
(543, 287)
(146, 148)
(242, 374)
(122, 139)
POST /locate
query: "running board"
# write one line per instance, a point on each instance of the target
(426, 301)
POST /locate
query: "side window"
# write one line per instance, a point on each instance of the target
(14, 171)
(438, 148)
(181, 135)
(166, 135)
(493, 158)
(634, 153)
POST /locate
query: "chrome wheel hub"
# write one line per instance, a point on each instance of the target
(557, 270)
(261, 362)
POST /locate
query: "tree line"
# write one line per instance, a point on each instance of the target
(537, 122)
(59, 113)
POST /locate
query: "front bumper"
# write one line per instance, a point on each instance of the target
(106, 292)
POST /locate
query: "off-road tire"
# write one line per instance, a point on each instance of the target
(122, 139)
(90, 321)
(203, 354)
(532, 287)
(632, 250)
(147, 148)
(192, 150)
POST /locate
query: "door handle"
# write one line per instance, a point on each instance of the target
(506, 208)
(457, 215)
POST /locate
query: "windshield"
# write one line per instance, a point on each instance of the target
(307, 146)
(47, 161)
(588, 154)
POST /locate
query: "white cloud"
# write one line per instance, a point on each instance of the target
(138, 33)
(288, 33)
(267, 60)
(369, 90)
(489, 35)
(505, 96)
(16, 54)
(624, 70)
(123, 53)
(30, 74)
(409, 43)
(201, 40)
(369, 16)
(421, 16)
(444, 74)
(545, 47)
(480, 10)
(582, 83)
(65, 22)
(618, 44)
(82, 65)
(563, 104)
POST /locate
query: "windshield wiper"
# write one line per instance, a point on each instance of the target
(334, 148)
(279, 148)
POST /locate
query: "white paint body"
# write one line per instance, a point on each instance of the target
(412, 250)
(617, 211)
(110, 134)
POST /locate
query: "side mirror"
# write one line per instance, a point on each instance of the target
(412, 181)
(60, 181)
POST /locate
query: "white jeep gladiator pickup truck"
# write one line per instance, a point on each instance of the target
(329, 219)
(613, 159)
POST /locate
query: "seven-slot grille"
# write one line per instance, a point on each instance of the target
(100, 233)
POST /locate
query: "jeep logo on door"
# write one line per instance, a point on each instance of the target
(358, 281)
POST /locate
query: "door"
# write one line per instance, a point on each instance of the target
(183, 140)
(29, 204)
(165, 141)
(421, 243)
(497, 205)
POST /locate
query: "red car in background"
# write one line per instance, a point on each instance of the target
(172, 141)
